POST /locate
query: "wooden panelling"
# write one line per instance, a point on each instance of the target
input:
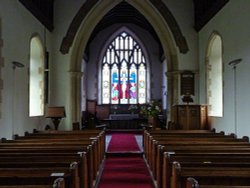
(102, 111)
(190, 116)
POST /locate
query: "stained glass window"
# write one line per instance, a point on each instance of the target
(124, 72)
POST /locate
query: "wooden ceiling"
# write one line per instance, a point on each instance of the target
(43, 10)
(204, 10)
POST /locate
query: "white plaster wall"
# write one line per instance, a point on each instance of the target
(60, 77)
(60, 89)
(183, 11)
(232, 23)
(18, 25)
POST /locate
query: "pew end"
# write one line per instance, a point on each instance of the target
(192, 183)
(59, 183)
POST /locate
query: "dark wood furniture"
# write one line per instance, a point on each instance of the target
(211, 159)
(124, 121)
(188, 117)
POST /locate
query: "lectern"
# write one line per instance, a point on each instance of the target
(56, 113)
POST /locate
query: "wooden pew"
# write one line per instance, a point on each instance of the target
(193, 183)
(20, 158)
(186, 133)
(226, 161)
(58, 183)
(231, 176)
(195, 141)
(87, 165)
(48, 149)
(58, 145)
(183, 141)
(97, 135)
(149, 137)
(38, 176)
(49, 161)
(54, 136)
(157, 148)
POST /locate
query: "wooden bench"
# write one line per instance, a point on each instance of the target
(53, 136)
(152, 146)
(231, 176)
(86, 151)
(54, 146)
(149, 137)
(193, 183)
(98, 154)
(213, 165)
(48, 160)
(157, 148)
(58, 183)
(39, 176)
(195, 143)
(97, 135)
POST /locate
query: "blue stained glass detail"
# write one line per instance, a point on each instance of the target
(115, 78)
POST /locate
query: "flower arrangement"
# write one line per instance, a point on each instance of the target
(133, 108)
(114, 108)
(152, 109)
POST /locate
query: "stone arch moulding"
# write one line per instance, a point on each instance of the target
(89, 4)
(78, 42)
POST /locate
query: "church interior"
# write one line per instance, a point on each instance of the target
(162, 67)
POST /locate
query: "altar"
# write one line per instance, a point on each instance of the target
(123, 116)
(123, 121)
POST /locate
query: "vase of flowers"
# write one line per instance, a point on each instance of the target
(132, 108)
(151, 111)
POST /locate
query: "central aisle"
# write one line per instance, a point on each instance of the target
(124, 166)
(123, 143)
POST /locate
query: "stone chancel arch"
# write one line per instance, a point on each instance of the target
(159, 5)
(85, 24)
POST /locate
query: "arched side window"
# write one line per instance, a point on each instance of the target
(1, 69)
(124, 72)
(215, 77)
(36, 78)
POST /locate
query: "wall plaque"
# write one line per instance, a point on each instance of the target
(187, 83)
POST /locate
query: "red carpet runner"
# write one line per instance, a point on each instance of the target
(123, 143)
(127, 169)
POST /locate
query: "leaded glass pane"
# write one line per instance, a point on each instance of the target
(142, 84)
(133, 84)
(115, 85)
(124, 93)
(106, 84)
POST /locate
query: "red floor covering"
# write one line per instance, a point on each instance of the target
(123, 142)
(127, 169)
